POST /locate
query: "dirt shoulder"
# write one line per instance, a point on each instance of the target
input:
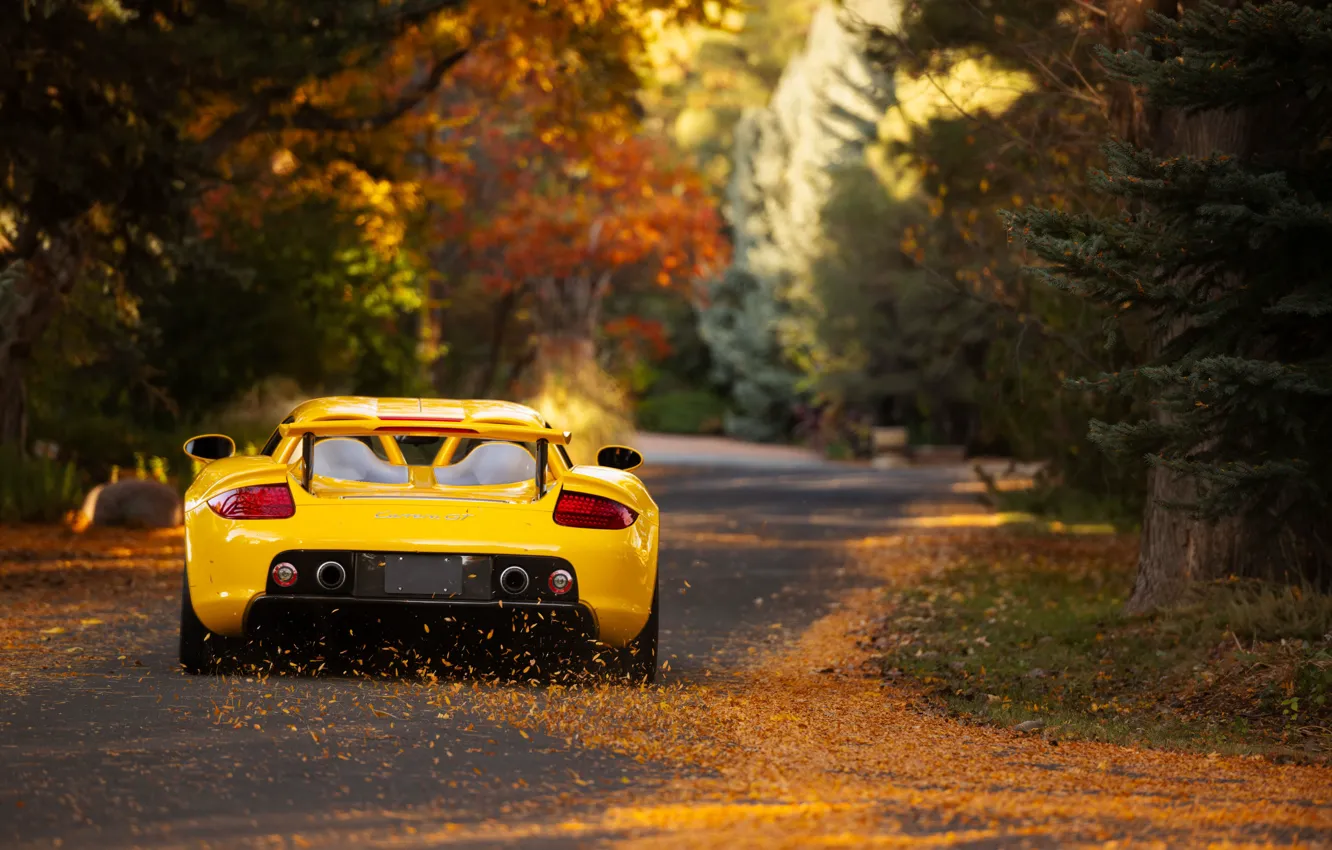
(72, 600)
(1012, 628)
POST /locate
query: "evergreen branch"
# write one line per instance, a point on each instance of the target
(1225, 488)
(1133, 439)
(1228, 375)
(1216, 57)
(1314, 302)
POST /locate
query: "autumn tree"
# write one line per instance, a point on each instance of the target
(570, 229)
(114, 118)
(557, 216)
(1218, 249)
(556, 221)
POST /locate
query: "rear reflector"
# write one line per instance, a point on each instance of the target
(284, 575)
(262, 501)
(560, 582)
(580, 510)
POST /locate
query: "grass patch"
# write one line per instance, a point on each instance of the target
(36, 489)
(683, 412)
(1023, 627)
(1066, 504)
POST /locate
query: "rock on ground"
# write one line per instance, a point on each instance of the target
(135, 503)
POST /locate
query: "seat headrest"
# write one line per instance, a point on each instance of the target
(348, 459)
(490, 464)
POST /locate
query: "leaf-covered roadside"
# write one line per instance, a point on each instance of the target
(1029, 629)
(804, 748)
(69, 598)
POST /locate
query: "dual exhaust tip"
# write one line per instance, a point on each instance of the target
(514, 580)
(331, 575)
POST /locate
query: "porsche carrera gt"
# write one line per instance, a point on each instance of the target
(468, 516)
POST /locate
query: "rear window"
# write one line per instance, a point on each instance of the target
(417, 450)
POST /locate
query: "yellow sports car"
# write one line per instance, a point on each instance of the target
(424, 517)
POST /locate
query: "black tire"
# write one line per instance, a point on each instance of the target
(200, 649)
(639, 656)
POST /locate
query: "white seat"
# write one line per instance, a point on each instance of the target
(490, 464)
(351, 460)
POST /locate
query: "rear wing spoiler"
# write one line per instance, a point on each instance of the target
(371, 426)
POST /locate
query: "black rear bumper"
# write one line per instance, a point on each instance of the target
(455, 621)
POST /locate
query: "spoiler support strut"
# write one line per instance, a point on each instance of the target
(542, 455)
(307, 456)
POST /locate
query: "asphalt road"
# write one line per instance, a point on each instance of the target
(139, 754)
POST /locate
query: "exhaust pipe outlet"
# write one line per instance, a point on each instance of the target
(331, 575)
(514, 580)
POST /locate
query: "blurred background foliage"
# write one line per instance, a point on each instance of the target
(398, 258)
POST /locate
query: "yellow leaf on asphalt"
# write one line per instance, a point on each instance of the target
(57, 630)
(90, 621)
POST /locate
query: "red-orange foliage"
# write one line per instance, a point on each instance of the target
(638, 337)
(560, 215)
(622, 202)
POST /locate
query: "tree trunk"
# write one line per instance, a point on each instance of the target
(498, 328)
(565, 312)
(565, 381)
(31, 293)
(1176, 549)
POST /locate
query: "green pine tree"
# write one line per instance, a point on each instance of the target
(1221, 260)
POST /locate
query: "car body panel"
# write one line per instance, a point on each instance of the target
(228, 560)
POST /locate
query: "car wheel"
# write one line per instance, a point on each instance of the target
(640, 654)
(200, 649)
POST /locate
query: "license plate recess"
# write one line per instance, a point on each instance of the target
(435, 575)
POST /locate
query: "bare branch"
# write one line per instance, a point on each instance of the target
(259, 118)
(310, 118)
(1090, 8)
(1023, 318)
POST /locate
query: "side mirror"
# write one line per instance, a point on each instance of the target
(210, 447)
(619, 457)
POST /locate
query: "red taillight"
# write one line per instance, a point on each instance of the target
(262, 501)
(580, 510)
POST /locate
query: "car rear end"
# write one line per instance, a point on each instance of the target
(271, 557)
